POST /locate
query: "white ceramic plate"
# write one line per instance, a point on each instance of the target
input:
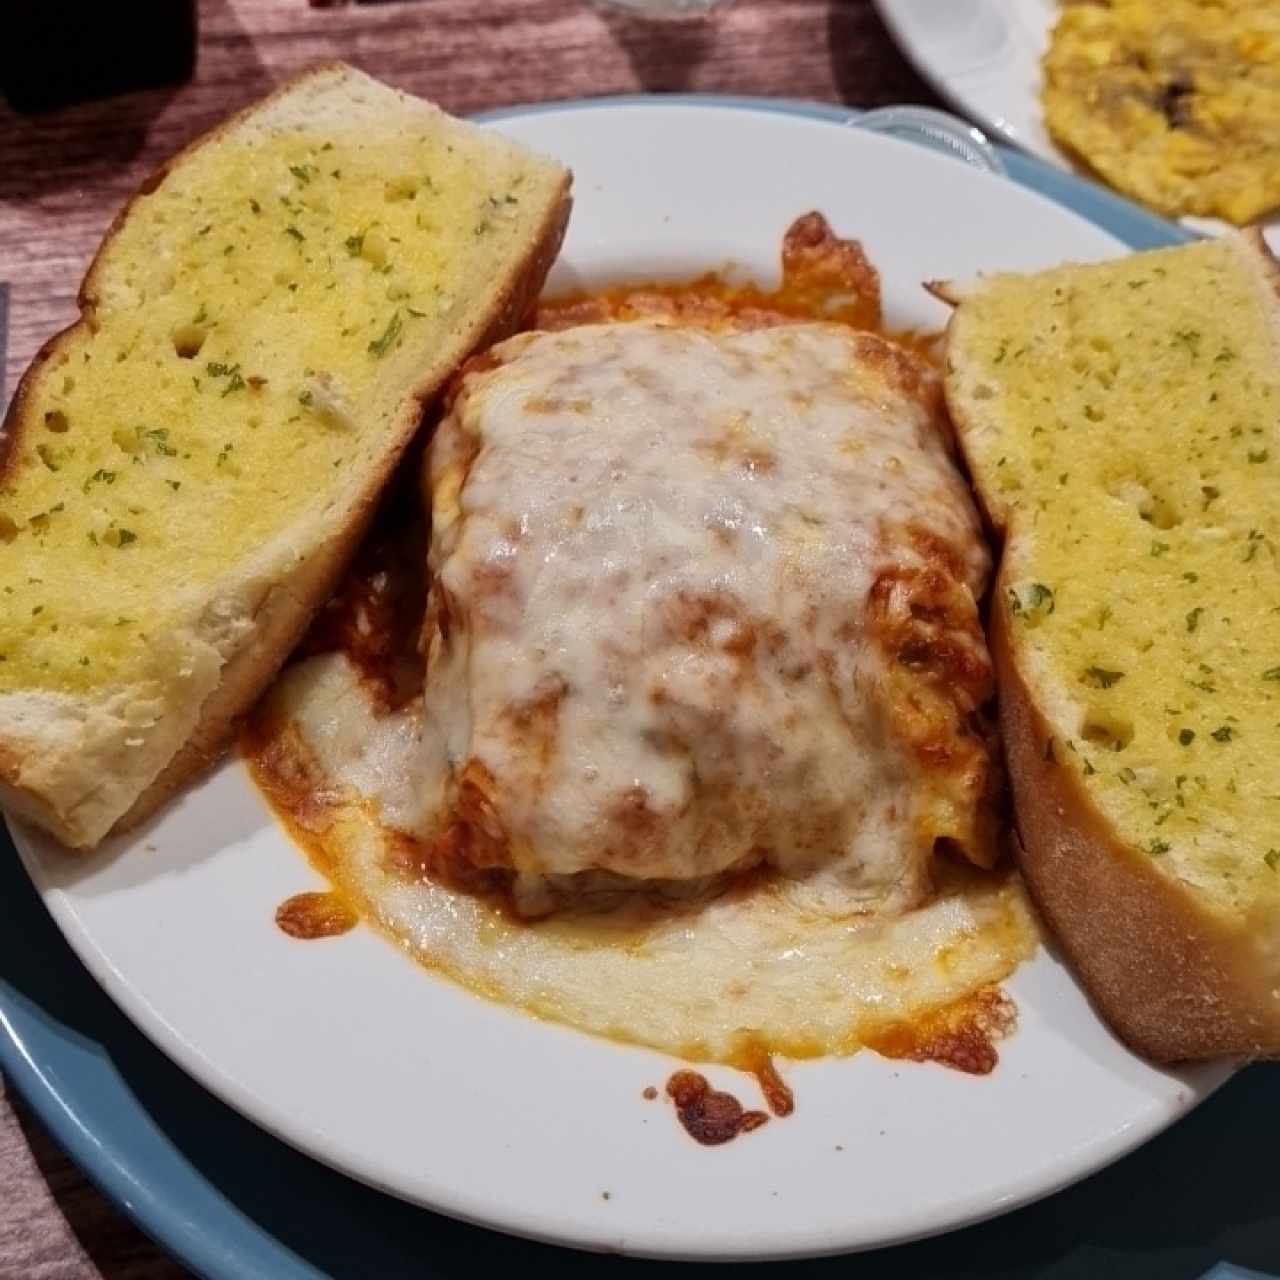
(349, 1051)
(983, 56)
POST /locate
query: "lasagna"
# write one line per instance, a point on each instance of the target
(702, 602)
(670, 726)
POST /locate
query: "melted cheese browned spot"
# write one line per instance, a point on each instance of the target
(702, 601)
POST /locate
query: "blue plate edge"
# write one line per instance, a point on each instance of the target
(108, 1172)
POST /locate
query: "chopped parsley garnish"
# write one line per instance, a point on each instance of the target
(159, 439)
(293, 231)
(255, 206)
(1159, 548)
(224, 453)
(303, 172)
(126, 536)
(1271, 673)
(1259, 455)
(355, 244)
(1224, 733)
(1271, 858)
(305, 397)
(1101, 678)
(1193, 618)
(1187, 737)
(1157, 847)
(234, 379)
(380, 346)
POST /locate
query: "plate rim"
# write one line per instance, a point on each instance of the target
(65, 1113)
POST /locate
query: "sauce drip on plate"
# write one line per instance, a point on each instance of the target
(709, 1116)
(755, 1058)
(315, 915)
(712, 1117)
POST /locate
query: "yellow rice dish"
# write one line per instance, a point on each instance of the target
(1173, 102)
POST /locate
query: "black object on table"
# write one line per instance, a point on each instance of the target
(55, 52)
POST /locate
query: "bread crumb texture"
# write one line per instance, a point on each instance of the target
(252, 327)
(1121, 423)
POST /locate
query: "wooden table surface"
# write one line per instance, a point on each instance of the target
(63, 174)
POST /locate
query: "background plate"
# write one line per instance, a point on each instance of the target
(351, 1053)
(983, 56)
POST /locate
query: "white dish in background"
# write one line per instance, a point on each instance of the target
(347, 1050)
(983, 57)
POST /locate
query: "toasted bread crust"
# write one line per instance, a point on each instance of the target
(80, 795)
(1175, 981)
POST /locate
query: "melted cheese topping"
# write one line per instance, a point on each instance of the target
(699, 602)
